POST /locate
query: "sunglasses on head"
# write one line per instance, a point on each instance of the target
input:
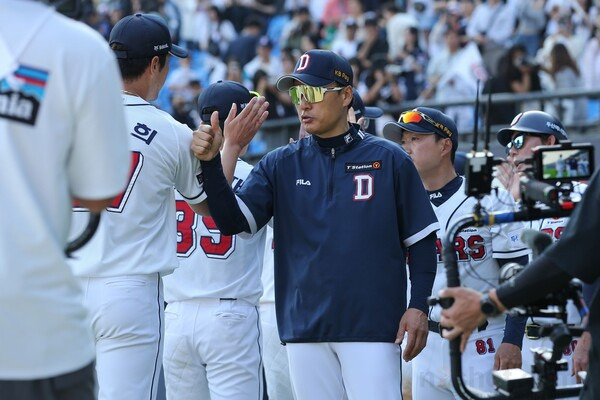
(311, 94)
(518, 141)
(416, 116)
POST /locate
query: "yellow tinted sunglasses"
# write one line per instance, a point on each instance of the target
(311, 94)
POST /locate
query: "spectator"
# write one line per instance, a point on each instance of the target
(264, 60)
(179, 79)
(374, 46)
(244, 47)
(347, 46)
(565, 75)
(234, 71)
(395, 23)
(491, 26)
(564, 34)
(214, 30)
(300, 25)
(279, 104)
(516, 74)
(590, 60)
(531, 20)
(411, 64)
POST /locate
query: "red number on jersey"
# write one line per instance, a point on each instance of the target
(219, 246)
(485, 346)
(186, 228)
(214, 245)
(118, 204)
(555, 234)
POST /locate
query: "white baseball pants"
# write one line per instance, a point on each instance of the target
(347, 370)
(277, 370)
(213, 350)
(127, 320)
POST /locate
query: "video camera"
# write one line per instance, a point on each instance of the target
(552, 171)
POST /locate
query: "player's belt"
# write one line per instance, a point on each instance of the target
(436, 327)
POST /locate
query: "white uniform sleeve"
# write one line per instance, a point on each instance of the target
(506, 238)
(188, 179)
(99, 159)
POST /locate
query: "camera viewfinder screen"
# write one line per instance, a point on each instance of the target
(572, 164)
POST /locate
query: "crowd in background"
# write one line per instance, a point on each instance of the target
(402, 50)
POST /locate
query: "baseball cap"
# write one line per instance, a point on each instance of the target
(422, 120)
(220, 96)
(144, 35)
(264, 41)
(318, 68)
(351, 22)
(361, 111)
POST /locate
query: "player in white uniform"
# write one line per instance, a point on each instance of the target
(431, 138)
(275, 356)
(120, 270)
(527, 131)
(212, 338)
(62, 135)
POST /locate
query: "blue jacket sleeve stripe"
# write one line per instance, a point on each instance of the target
(421, 234)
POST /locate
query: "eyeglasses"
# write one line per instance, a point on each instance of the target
(416, 116)
(518, 141)
(311, 94)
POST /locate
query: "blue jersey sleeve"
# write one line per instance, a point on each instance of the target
(417, 218)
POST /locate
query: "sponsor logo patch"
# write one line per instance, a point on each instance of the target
(363, 166)
(21, 94)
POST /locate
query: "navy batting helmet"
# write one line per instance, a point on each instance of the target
(536, 122)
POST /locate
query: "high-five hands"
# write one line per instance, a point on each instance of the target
(207, 140)
(241, 128)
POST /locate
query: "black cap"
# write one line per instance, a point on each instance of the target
(220, 96)
(144, 36)
(361, 111)
(318, 68)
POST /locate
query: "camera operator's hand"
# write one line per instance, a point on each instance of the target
(465, 313)
(508, 356)
(580, 358)
(509, 178)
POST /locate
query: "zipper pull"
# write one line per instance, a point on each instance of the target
(332, 152)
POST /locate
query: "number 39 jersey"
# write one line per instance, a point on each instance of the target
(213, 265)
(137, 234)
(476, 247)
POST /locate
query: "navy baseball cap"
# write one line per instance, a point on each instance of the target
(361, 111)
(422, 120)
(220, 96)
(144, 36)
(318, 68)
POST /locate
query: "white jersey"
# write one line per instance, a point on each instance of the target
(476, 247)
(137, 234)
(62, 134)
(212, 264)
(267, 276)
(555, 227)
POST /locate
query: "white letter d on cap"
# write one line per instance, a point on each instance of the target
(304, 59)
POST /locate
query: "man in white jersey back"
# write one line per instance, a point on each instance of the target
(212, 334)
(135, 244)
(527, 131)
(277, 369)
(62, 136)
(430, 137)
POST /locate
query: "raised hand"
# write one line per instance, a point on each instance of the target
(207, 140)
(241, 128)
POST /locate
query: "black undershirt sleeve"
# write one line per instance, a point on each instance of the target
(223, 205)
